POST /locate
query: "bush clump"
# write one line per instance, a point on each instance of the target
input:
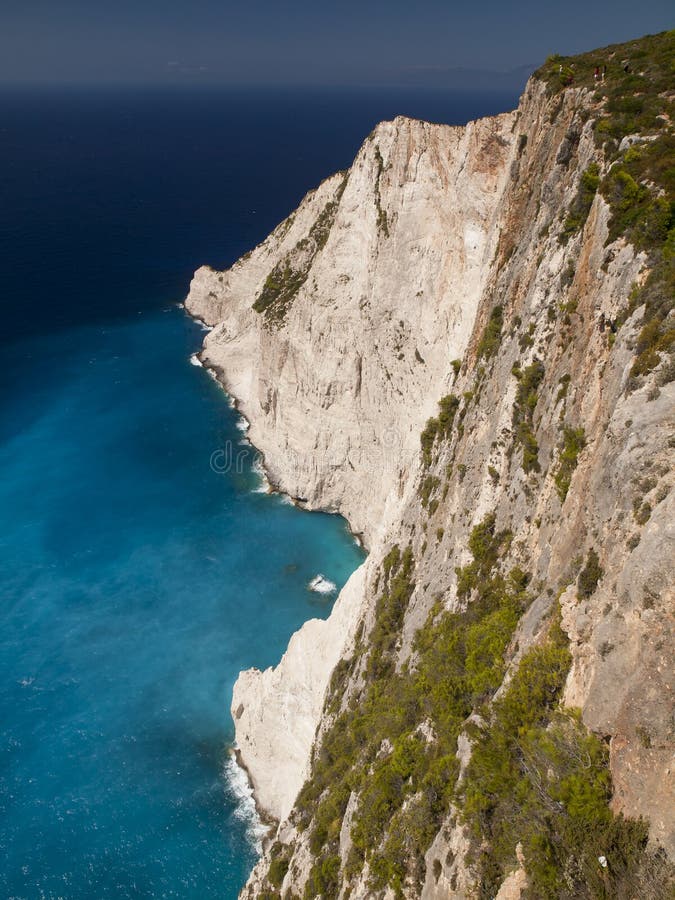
(438, 427)
(279, 290)
(640, 189)
(382, 220)
(574, 441)
(277, 871)
(492, 335)
(428, 485)
(525, 403)
(589, 576)
(581, 206)
(389, 613)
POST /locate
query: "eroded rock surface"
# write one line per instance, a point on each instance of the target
(337, 336)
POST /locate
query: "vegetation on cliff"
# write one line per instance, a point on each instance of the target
(395, 746)
(525, 403)
(573, 442)
(633, 106)
(290, 274)
(537, 782)
(439, 426)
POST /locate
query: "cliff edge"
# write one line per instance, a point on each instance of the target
(463, 345)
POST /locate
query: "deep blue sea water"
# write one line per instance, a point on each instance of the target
(136, 581)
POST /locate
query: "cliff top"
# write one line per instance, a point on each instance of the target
(640, 67)
(631, 88)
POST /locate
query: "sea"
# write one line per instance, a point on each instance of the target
(142, 562)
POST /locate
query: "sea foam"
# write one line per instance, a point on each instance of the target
(245, 811)
(264, 486)
(322, 585)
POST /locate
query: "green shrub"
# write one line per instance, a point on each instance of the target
(280, 289)
(574, 441)
(391, 561)
(525, 403)
(492, 335)
(427, 440)
(277, 871)
(486, 644)
(439, 427)
(581, 206)
(323, 878)
(382, 221)
(589, 576)
(627, 198)
(642, 512)
(389, 612)
(428, 485)
(447, 407)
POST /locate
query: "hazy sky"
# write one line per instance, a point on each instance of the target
(307, 41)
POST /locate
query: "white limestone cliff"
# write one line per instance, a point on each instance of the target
(337, 397)
(381, 278)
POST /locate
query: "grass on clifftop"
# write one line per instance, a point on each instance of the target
(649, 58)
(632, 87)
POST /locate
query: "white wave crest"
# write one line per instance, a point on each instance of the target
(241, 792)
(202, 324)
(322, 585)
(196, 361)
(264, 487)
(242, 424)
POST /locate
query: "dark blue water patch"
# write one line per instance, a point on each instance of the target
(112, 198)
(136, 582)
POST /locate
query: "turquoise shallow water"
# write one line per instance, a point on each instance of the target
(136, 581)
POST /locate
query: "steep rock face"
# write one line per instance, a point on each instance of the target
(338, 382)
(338, 391)
(430, 232)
